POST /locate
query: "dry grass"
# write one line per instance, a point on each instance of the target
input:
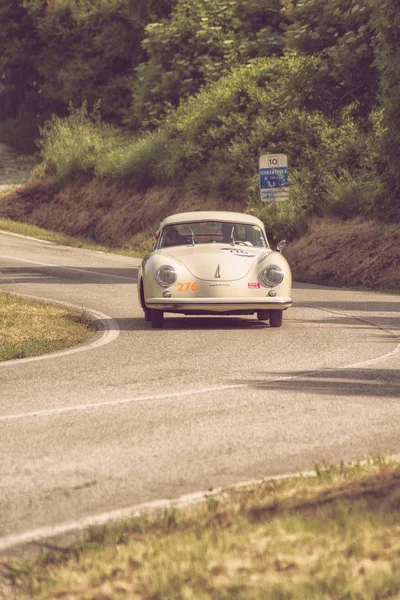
(29, 328)
(108, 216)
(335, 536)
(353, 253)
(137, 246)
(50, 236)
(107, 213)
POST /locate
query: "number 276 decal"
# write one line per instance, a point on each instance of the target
(185, 287)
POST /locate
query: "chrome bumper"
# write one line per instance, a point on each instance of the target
(218, 305)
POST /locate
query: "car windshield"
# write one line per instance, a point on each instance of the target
(212, 232)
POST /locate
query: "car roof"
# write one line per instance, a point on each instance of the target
(212, 215)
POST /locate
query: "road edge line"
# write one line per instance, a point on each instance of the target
(110, 332)
(148, 508)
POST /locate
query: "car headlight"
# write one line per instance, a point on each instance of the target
(272, 275)
(165, 276)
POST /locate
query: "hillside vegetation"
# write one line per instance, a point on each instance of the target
(151, 106)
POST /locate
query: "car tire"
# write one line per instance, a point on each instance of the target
(147, 314)
(263, 315)
(157, 318)
(275, 318)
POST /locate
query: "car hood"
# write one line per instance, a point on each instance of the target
(217, 261)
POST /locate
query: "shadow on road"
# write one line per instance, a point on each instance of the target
(368, 322)
(57, 275)
(361, 382)
(184, 323)
(368, 313)
(364, 305)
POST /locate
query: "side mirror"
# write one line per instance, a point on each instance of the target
(281, 246)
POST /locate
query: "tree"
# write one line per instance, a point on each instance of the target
(56, 51)
(19, 45)
(339, 32)
(201, 42)
(386, 21)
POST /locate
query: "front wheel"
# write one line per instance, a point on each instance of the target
(157, 318)
(147, 314)
(275, 318)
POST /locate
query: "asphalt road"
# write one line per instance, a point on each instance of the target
(203, 403)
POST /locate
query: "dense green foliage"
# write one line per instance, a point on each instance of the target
(191, 92)
(201, 42)
(61, 51)
(210, 144)
(386, 20)
(339, 32)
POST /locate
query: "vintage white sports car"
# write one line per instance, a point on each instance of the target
(214, 263)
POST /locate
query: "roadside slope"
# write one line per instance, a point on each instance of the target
(109, 213)
(354, 253)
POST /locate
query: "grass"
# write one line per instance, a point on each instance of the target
(357, 253)
(136, 247)
(332, 536)
(30, 328)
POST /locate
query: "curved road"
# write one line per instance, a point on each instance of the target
(203, 403)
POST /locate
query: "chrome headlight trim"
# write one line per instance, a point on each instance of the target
(165, 276)
(272, 275)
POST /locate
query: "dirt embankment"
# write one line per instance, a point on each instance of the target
(106, 212)
(351, 253)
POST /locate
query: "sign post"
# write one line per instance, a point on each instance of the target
(274, 177)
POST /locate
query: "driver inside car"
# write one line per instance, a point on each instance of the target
(172, 237)
(226, 230)
(230, 237)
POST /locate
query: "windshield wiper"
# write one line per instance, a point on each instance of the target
(193, 236)
(232, 236)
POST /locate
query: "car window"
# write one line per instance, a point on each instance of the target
(212, 232)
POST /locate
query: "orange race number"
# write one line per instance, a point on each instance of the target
(185, 287)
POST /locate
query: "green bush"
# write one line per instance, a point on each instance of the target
(201, 42)
(77, 144)
(211, 145)
(347, 196)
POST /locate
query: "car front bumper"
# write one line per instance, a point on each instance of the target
(218, 305)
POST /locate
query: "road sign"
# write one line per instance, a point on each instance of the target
(274, 177)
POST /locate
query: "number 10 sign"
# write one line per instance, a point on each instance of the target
(274, 177)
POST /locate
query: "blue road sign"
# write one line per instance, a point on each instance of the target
(274, 178)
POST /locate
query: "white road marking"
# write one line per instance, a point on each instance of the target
(133, 511)
(42, 264)
(67, 409)
(182, 501)
(25, 237)
(370, 361)
(207, 390)
(110, 333)
(138, 510)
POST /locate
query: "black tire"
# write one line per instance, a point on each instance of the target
(263, 315)
(147, 311)
(275, 318)
(157, 318)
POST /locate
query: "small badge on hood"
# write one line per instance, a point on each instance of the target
(237, 252)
